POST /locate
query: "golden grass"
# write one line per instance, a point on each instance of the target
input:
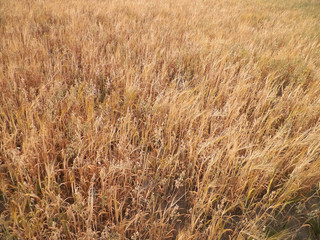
(138, 119)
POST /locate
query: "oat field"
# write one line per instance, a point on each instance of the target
(149, 119)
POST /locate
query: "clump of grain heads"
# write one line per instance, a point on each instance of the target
(159, 119)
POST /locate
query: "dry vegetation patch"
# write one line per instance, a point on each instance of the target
(139, 119)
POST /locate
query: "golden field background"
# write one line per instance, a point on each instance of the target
(147, 119)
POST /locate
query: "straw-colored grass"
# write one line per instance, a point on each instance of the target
(171, 119)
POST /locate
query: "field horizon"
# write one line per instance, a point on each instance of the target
(146, 119)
